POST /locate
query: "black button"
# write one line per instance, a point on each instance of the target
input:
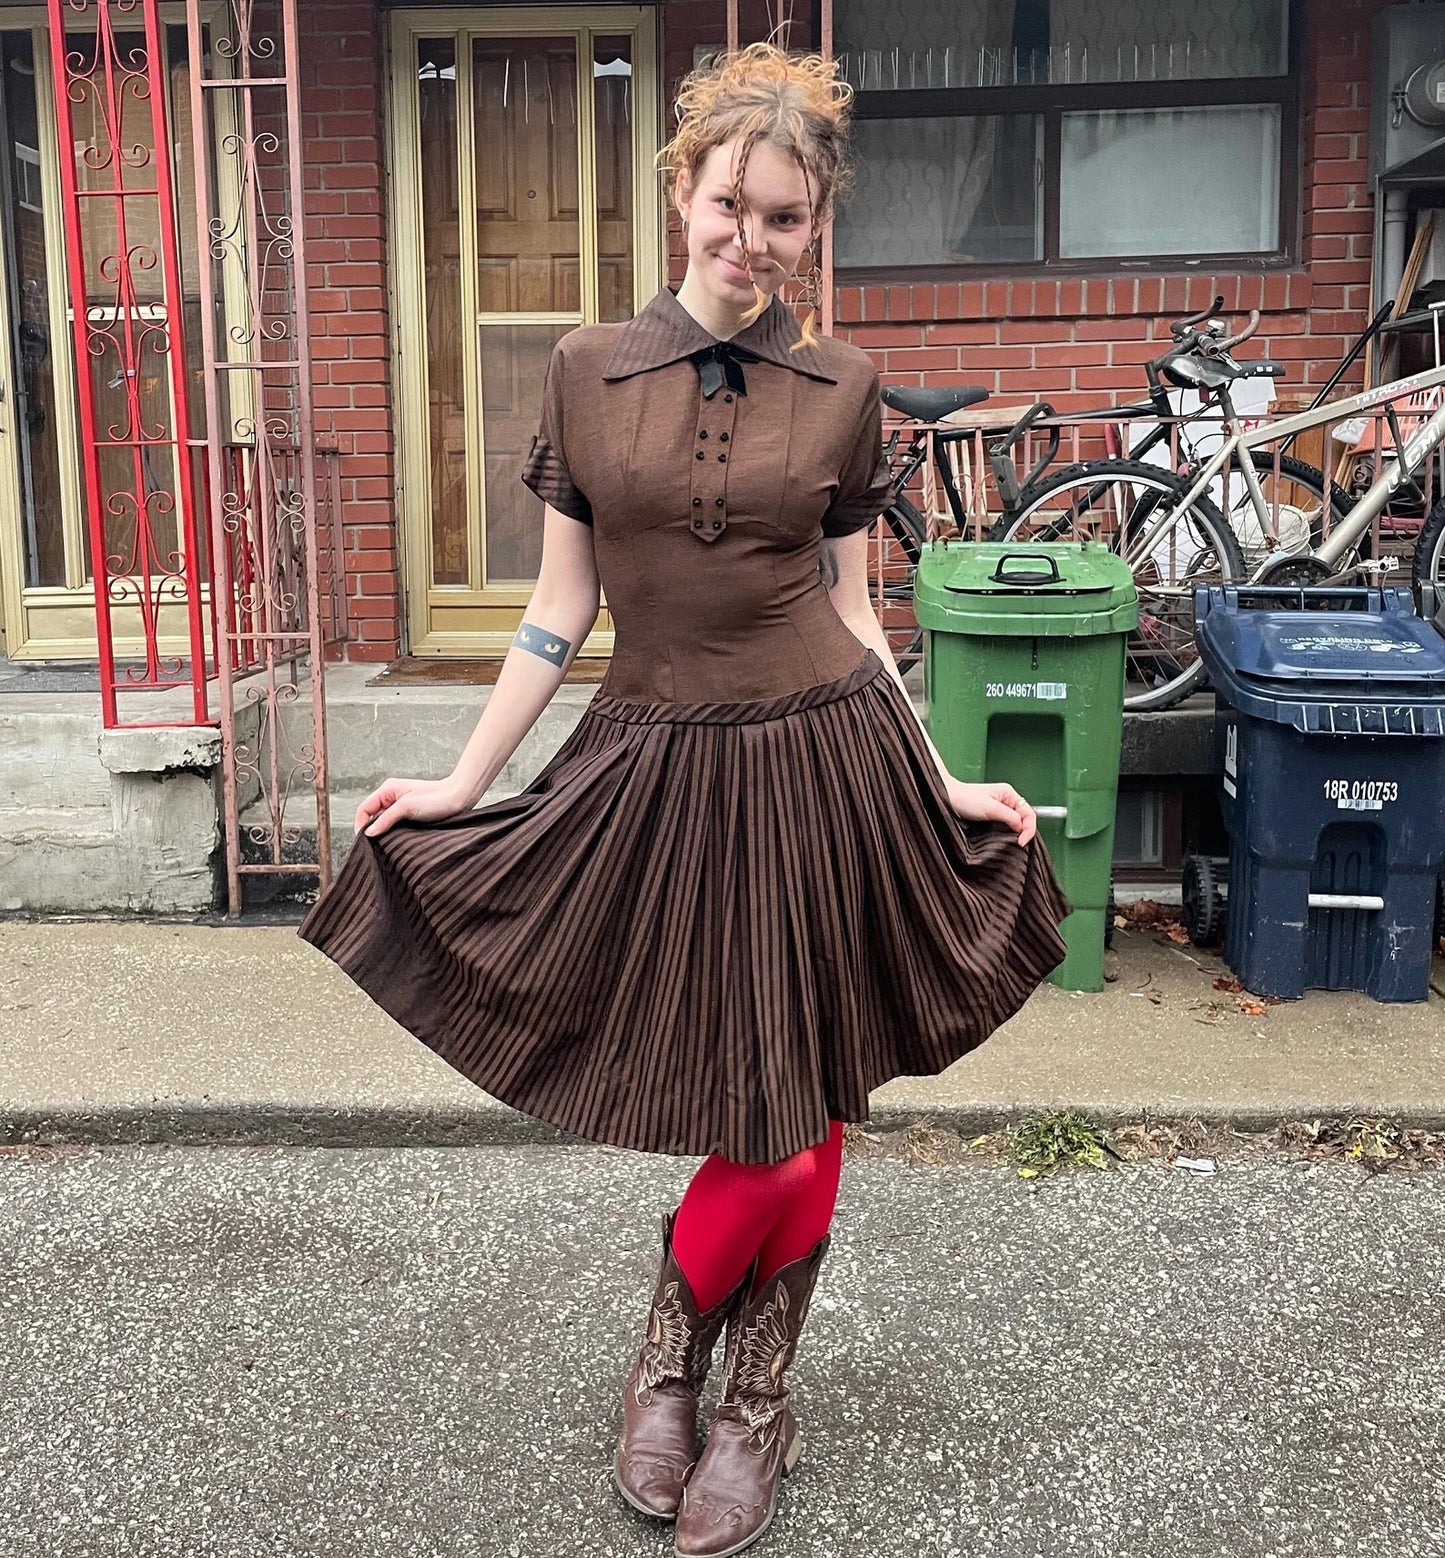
(718, 501)
(703, 434)
(723, 458)
(728, 399)
(697, 503)
(723, 437)
(717, 524)
(700, 455)
(697, 524)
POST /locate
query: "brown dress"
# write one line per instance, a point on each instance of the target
(736, 900)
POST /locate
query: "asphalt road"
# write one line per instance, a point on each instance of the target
(417, 1351)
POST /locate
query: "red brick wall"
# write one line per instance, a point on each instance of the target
(1080, 341)
(342, 112)
(1076, 341)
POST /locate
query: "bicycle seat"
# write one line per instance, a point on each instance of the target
(932, 405)
(1191, 372)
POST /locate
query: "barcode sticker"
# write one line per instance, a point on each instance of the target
(1359, 803)
(1050, 692)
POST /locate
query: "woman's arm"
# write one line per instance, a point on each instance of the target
(559, 616)
(843, 565)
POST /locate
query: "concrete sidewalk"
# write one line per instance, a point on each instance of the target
(128, 1031)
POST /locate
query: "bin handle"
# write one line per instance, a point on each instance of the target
(1368, 597)
(1052, 813)
(1369, 901)
(1034, 577)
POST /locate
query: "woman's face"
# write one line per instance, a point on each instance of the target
(774, 222)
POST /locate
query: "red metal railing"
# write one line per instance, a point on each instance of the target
(120, 232)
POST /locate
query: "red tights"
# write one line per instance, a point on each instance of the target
(776, 1211)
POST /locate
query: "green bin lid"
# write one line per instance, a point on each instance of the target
(1037, 589)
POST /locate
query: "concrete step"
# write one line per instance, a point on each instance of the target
(82, 825)
(300, 821)
(1176, 742)
(55, 857)
(375, 733)
(411, 731)
(419, 731)
(50, 753)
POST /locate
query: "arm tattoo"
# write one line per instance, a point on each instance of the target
(828, 566)
(546, 646)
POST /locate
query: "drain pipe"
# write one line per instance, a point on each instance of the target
(1391, 269)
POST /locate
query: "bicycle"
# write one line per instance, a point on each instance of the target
(904, 524)
(1296, 500)
(1154, 535)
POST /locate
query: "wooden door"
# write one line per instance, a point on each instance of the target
(528, 218)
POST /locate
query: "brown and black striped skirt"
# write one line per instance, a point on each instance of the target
(704, 927)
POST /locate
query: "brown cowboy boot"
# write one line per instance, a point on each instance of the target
(658, 1444)
(730, 1497)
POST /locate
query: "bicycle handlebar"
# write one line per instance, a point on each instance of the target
(1181, 327)
(1219, 348)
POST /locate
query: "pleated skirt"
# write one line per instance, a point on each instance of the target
(704, 927)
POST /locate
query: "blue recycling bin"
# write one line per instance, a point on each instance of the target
(1330, 745)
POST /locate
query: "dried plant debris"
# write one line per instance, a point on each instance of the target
(1042, 1145)
(1149, 1139)
(1376, 1144)
(1162, 918)
(922, 1143)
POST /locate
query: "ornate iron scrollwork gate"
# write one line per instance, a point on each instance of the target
(261, 603)
(273, 497)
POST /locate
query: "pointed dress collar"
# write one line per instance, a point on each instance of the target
(664, 332)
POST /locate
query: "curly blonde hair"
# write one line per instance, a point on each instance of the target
(794, 102)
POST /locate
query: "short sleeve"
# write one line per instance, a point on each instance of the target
(545, 470)
(865, 488)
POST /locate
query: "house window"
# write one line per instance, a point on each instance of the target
(27, 177)
(1065, 133)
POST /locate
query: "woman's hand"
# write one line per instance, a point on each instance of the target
(993, 803)
(411, 800)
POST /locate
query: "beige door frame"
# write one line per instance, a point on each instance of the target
(462, 620)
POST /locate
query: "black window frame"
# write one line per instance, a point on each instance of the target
(1051, 103)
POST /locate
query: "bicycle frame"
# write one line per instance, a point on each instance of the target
(927, 451)
(1348, 531)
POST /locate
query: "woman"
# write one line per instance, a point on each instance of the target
(746, 891)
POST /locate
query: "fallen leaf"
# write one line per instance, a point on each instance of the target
(1177, 934)
(1144, 911)
(1229, 986)
(1251, 1007)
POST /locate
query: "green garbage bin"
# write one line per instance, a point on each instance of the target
(1024, 676)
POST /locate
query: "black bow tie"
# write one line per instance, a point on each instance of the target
(719, 364)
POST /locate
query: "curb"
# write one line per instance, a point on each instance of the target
(371, 1126)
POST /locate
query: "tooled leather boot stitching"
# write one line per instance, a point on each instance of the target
(658, 1443)
(732, 1493)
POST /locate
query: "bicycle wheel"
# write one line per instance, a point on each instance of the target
(1428, 573)
(1294, 495)
(1135, 508)
(901, 542)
